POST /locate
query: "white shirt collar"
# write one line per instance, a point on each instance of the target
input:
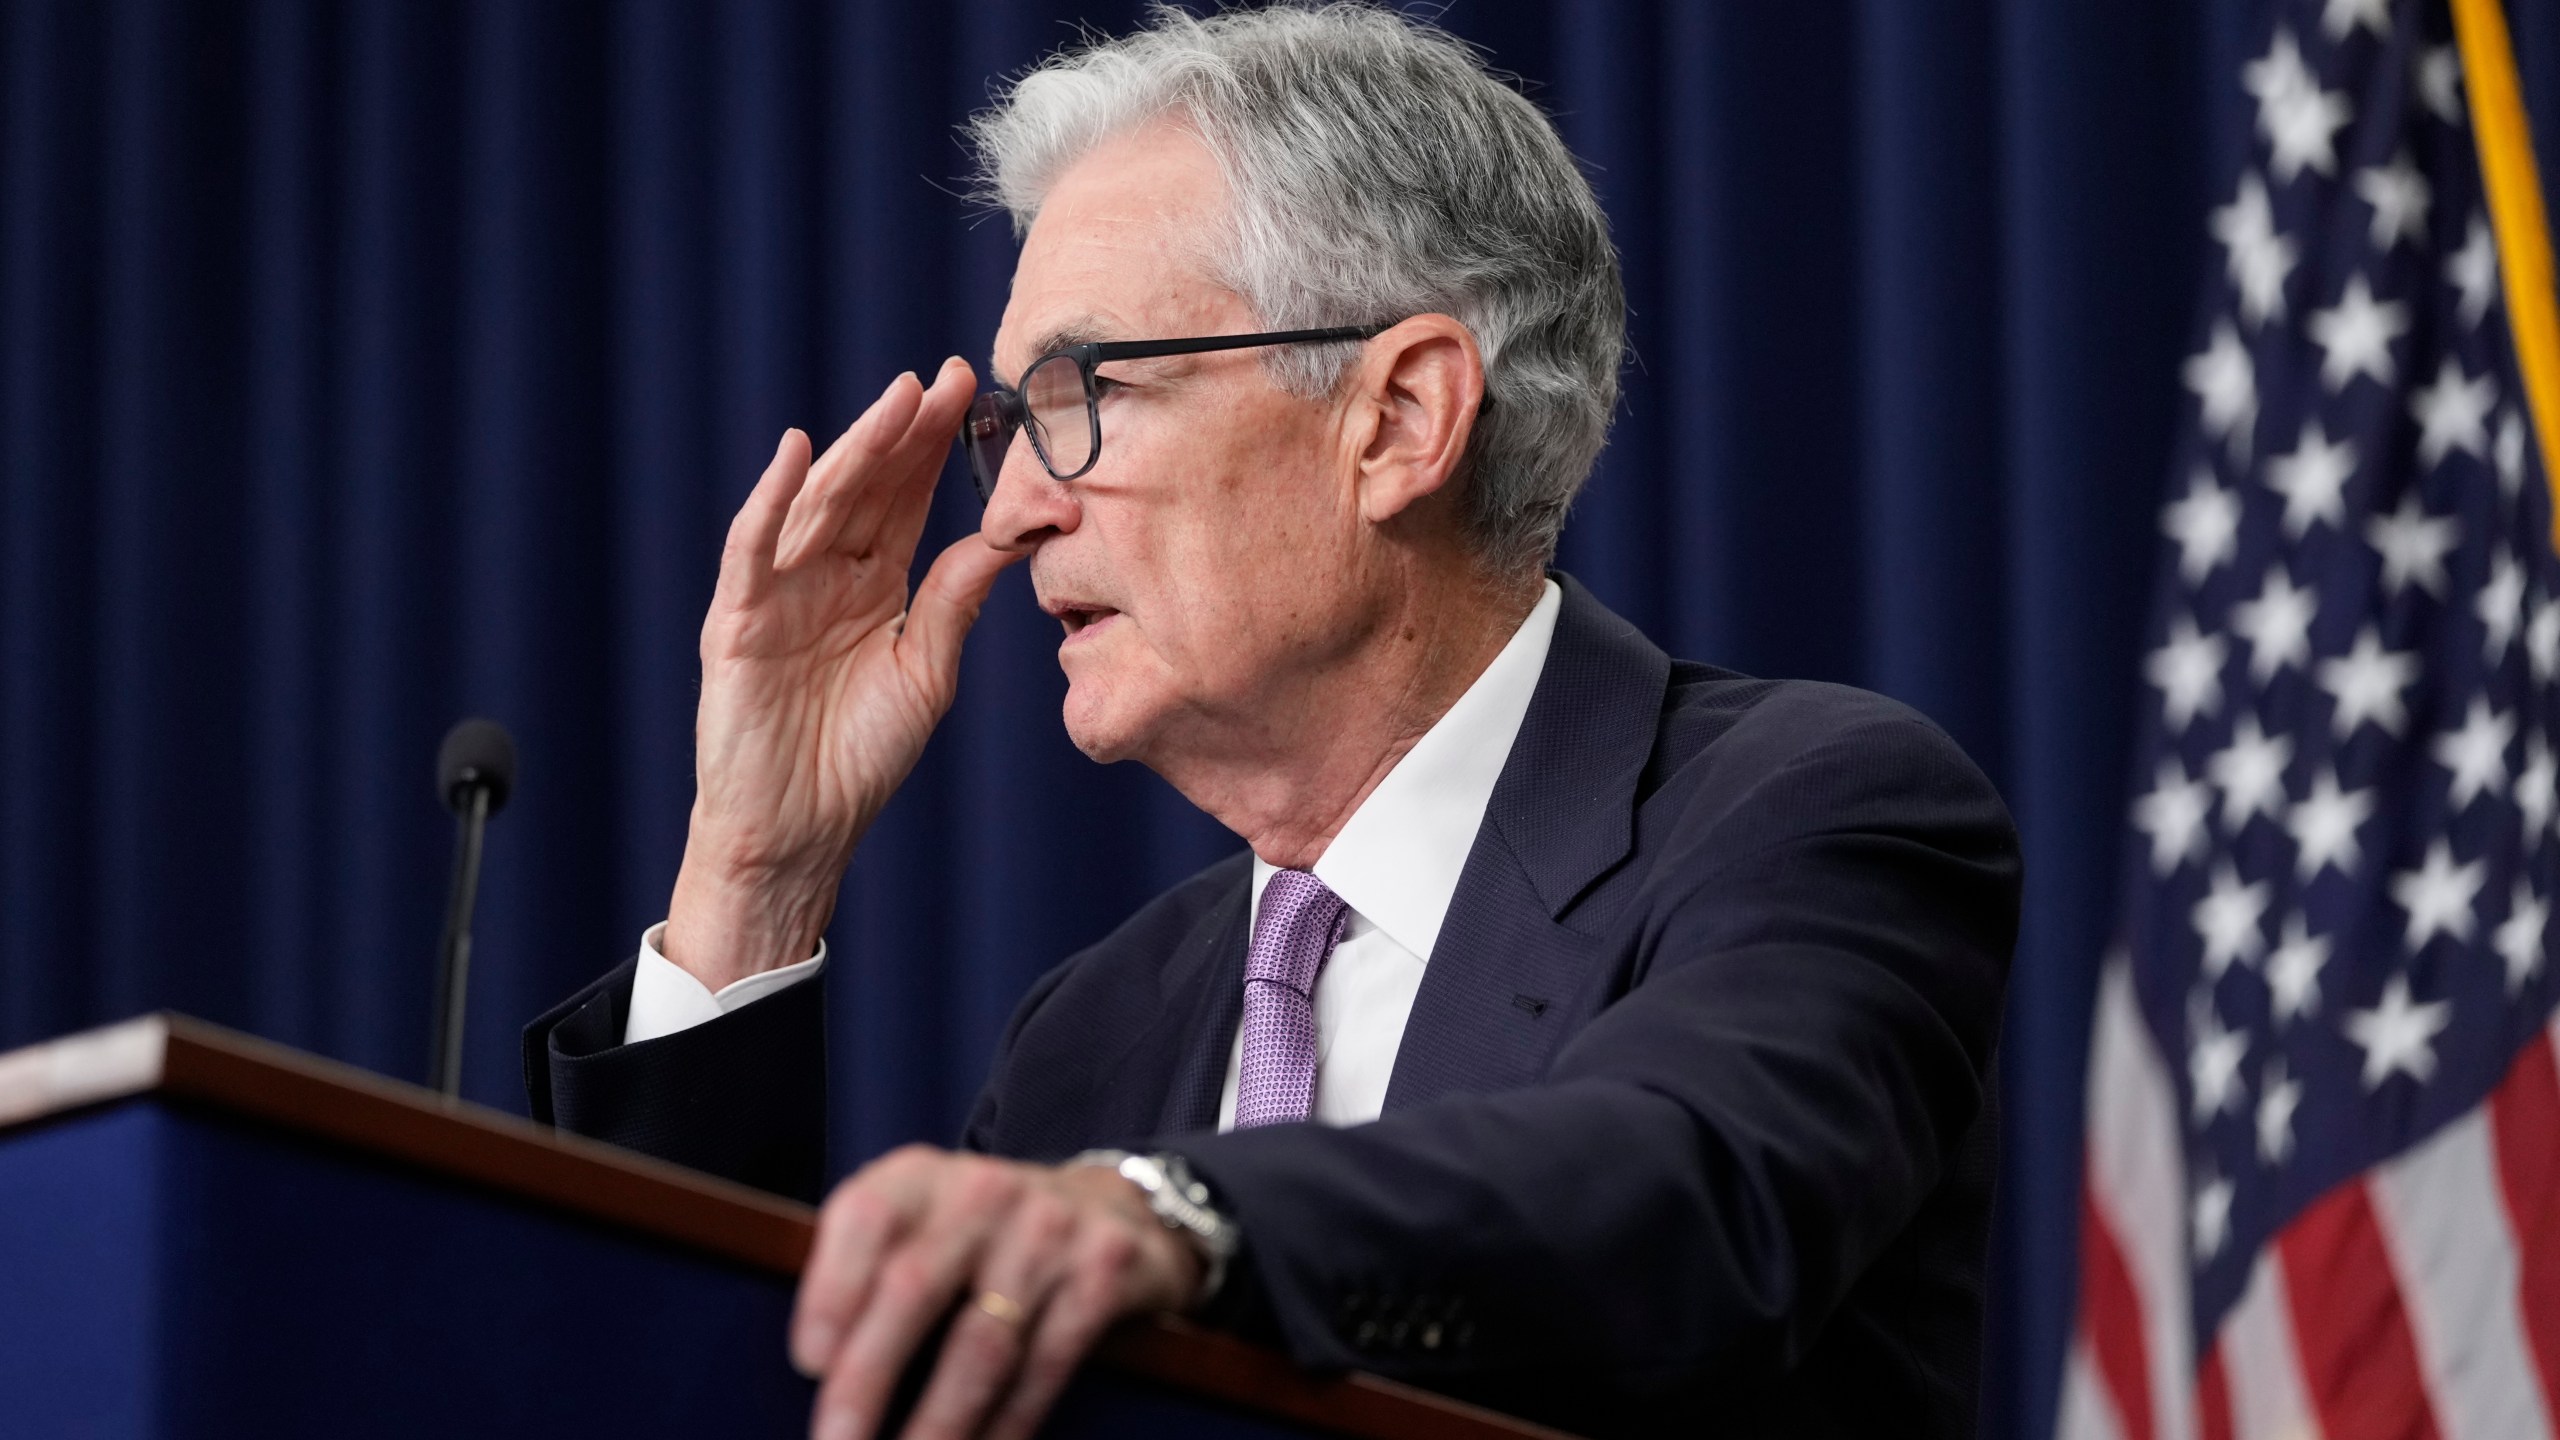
(1397, 860)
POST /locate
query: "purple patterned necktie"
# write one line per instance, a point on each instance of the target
(1292, 934)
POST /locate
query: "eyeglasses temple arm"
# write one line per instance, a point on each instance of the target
(1149, 349)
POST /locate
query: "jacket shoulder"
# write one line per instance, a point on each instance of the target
(1076, 1067)
(1162, 924)
(1136, 950)
(1811, 737)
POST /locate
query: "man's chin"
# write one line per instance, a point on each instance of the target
(1105, 732)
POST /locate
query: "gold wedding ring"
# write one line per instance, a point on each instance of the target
(1001, 1307)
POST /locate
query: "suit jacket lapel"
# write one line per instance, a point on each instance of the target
(1561, 816)
(1204, 1002)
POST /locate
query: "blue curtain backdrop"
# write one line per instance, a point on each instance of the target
(367, 365)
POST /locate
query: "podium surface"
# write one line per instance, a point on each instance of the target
(206, 1234)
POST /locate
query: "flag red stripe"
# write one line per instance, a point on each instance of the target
(2524, 1115)
(2111, 1319)
(2213, 1397)
(2359, 1359)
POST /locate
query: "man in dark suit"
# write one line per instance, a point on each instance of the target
(1601, 1036)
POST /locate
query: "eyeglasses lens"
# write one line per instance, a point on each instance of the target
(1062, 423)
(988, 434)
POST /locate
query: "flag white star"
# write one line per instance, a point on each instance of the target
(2537, 787)
(2476, 753)
(2340, 16)
(2227, 921)
(2473, 270)
(2250, 771)
(2293, 972)
(2453, 413)
(2438, 895)
(2313, 478)
(2542, 641)
(2226, 380)
(2440, 82)
(2173, 815)
(2399, 197)
(2509, 452)
(2277, 624)
(2324, 825)
(2213, 1061)
(2206, 525)
(2500, 606)
(2188, 670)
(2366, 682)
(2210, 1227)
(2519, 938)
(2355, 336)
(2279, 1095)
(2398, 1036)
(2413, 545)
(2299, 120)
(2260, 257)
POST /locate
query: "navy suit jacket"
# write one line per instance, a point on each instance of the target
(1692, 1125)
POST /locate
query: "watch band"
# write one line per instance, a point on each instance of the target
(1181, 1203)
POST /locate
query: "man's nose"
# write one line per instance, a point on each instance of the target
(1029, 505)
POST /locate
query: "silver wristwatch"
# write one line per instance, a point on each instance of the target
(1181, 1202)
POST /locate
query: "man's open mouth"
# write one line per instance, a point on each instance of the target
(1079, 618)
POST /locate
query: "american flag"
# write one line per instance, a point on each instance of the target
(2322, 1193)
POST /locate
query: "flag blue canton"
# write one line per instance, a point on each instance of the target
(2341, 865)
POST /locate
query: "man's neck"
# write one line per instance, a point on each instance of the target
(1315, 763)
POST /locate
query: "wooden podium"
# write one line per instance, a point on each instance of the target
(206, 1234)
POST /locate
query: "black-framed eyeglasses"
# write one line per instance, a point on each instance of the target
(1058, 401)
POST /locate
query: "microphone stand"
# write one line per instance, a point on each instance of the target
(453, 967)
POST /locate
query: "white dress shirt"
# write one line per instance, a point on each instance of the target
(1395, 864)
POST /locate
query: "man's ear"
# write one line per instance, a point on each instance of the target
(1414, 404)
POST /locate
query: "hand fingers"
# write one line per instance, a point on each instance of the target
(838, 480)
(984, 1349)
(747, 557)
(917, 1282)
(946, 605)
(862, 1219)
(1081, 1307)
(885, 477)
(902, 507)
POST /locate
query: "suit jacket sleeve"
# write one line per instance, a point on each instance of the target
(1801, 1049)
(742, 1097)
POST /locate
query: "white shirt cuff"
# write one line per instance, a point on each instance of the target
(665, 998)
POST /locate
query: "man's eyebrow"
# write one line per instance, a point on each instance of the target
(1081, 330)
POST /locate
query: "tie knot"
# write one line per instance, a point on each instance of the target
(1294, 930)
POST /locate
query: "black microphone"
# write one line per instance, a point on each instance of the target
(475, 770)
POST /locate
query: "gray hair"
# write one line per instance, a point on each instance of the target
(1377, 170)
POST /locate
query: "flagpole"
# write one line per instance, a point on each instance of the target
(2516, 215)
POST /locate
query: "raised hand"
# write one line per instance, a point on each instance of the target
(821, 677)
